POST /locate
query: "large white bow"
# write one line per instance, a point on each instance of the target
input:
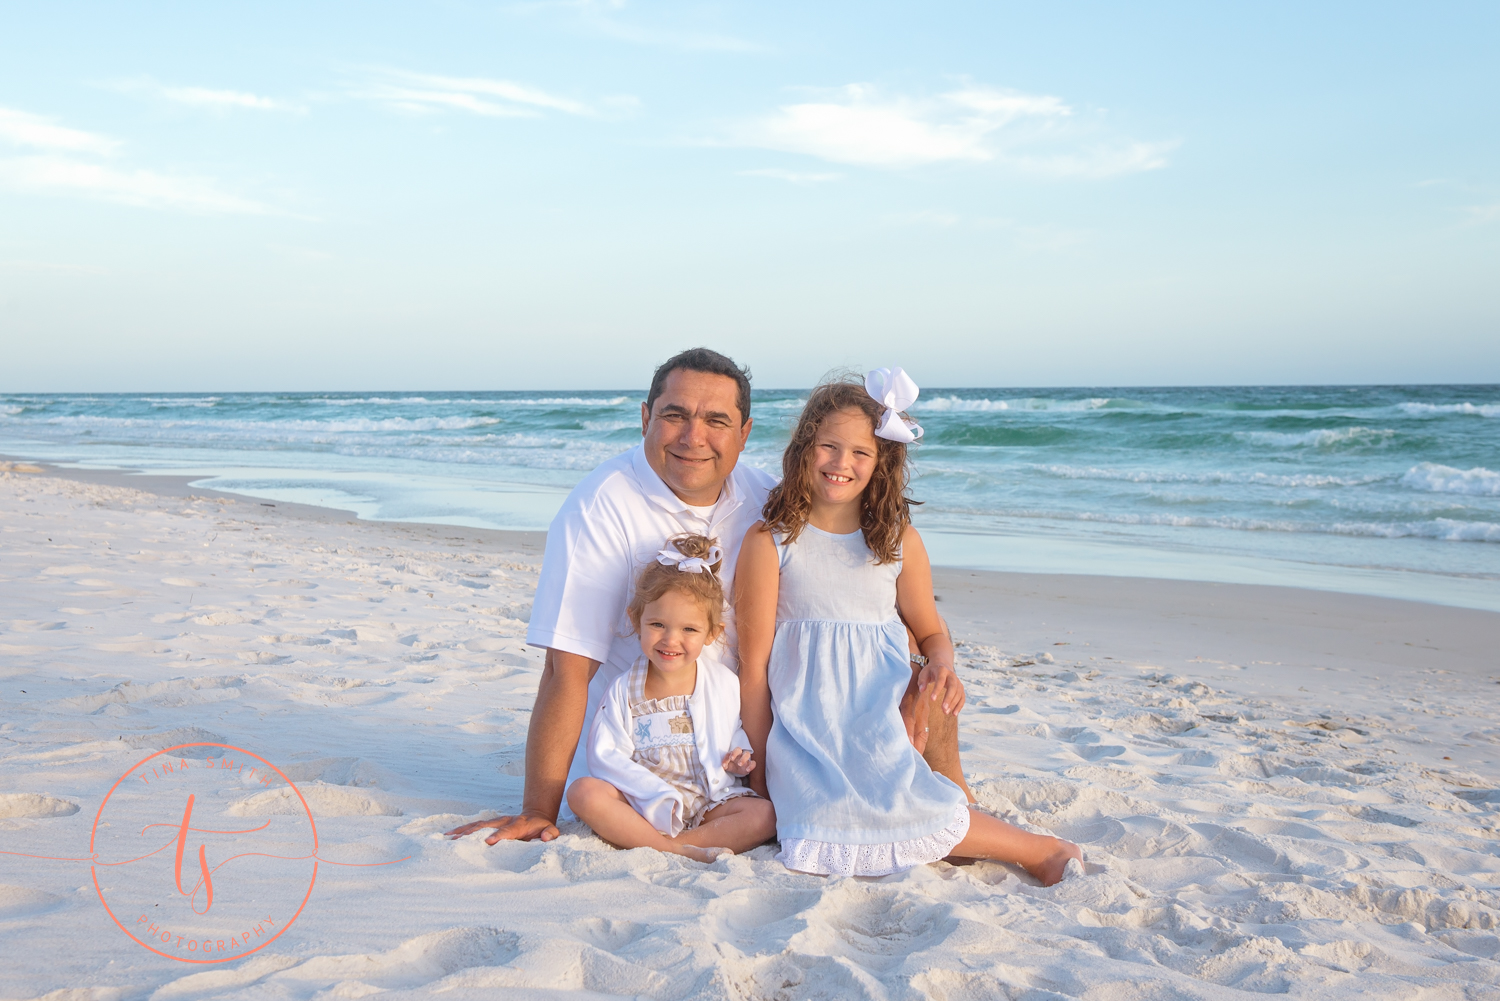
(894, 388)
(690, 564)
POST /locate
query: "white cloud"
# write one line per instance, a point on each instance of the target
(1028, 237)
(223, 100)
(149, 189)
(691, 41)
(598, 15)
(860, 126)
(1127, 157)
(792, 176)
(926, 217)
(481, 96)
(74, 162)
(20, 128)
(1480, 215)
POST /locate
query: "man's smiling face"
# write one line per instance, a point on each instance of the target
(694, 434)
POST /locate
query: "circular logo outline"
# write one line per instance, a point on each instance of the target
(94, 867)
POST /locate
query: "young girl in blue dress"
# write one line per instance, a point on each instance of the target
(825, 589)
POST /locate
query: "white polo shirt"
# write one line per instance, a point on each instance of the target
(611, 525)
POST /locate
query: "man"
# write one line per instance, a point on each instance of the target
(684, 477)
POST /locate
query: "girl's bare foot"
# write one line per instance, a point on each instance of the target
(702, 854)
(1051, 869)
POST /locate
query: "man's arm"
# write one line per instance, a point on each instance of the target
(562, 699)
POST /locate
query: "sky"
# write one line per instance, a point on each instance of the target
(211, 197)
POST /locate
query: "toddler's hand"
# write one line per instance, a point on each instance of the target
(739, 762)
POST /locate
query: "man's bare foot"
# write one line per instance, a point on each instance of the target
(702, 854)
(1051, 869)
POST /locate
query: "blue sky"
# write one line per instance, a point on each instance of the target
(559, 194)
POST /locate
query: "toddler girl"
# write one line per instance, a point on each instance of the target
(823, 587)
(666, 747)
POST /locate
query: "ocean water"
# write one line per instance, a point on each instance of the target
(1389, 490)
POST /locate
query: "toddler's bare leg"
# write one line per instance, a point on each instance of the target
(609, 813)
(1042, 855)
(739, 825)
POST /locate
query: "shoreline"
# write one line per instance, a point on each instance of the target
(167, 485)
(179, 486)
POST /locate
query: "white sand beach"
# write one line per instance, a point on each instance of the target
(1277, 790)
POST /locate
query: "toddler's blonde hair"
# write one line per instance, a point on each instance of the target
(656, 579)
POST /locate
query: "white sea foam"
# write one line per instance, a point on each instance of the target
(1482, 410)
(942, 404)
(181, 401)
(1320, 438)
(1441, 529)
(10, 411)
(378, 401)
(1212, 476)
(264, 428)
(386, 401)
(1448, 480)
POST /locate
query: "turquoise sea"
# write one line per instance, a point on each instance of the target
(1391, 490)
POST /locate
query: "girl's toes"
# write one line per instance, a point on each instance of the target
(1066, 860)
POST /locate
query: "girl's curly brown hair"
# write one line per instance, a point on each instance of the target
(656, 579)
(885, 510)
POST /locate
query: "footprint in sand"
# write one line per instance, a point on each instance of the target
(35, 626)
(873, 927)
(609, 934)
(33, 804)
(23, 901)
(757, 920)
(322, 800)
(413, 964)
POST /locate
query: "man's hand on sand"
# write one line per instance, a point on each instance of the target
(521, 827)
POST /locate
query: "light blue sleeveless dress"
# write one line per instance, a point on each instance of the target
(852, 796)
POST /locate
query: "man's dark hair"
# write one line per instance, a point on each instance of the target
(703, 360)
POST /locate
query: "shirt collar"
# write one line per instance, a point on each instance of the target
(656, 489)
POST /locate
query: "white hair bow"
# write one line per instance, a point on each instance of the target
(690, 564)
(894, 388)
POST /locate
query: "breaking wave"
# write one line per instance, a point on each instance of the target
(1320, 438)
(956, 404)
(1430, 476)
(1211, 476)
(1423, 409)
(1442, 529)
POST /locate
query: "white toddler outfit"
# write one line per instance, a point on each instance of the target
(667, 755)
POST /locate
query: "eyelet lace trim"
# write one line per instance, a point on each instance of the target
(827, 858)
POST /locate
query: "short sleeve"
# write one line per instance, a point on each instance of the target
(585, 581)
